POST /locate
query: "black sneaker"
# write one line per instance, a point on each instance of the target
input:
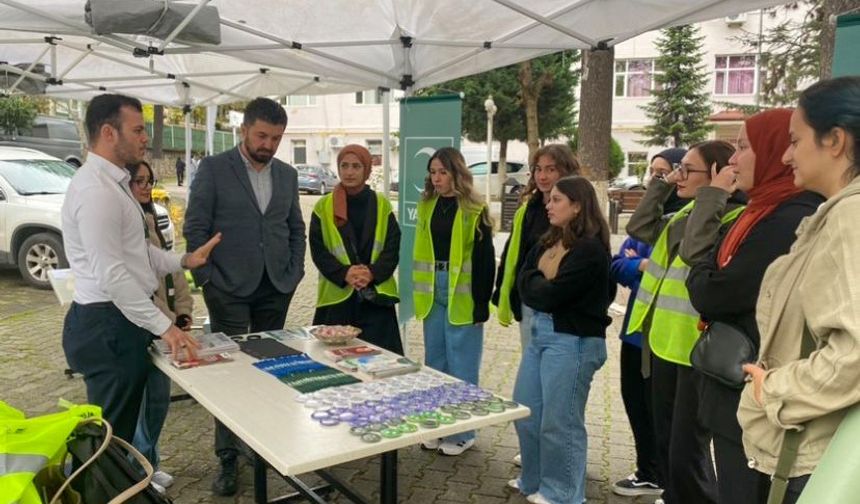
(632, 486)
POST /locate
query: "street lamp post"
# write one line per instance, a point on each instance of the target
(491, 109)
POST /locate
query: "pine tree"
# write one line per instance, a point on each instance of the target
(681, 106)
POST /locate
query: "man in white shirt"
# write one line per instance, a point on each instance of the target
(113, 319)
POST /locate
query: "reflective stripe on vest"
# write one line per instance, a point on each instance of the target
(28, 445)
(674, 322)
(327, 292)
(505, 313)
(460, 302)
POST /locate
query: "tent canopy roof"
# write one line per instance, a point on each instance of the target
(281, 47)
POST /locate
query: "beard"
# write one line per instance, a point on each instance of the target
(260, 155)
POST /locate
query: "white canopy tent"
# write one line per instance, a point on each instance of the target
(282, 47)
(278, 47)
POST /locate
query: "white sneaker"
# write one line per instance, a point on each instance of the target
(514, 483)
(158, 488)
(432, 444)
(453, 449)
(163, 479)
(658, 501)
(537, 498)
(518, 460)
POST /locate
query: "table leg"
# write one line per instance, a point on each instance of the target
(261, 491)
(388, 478)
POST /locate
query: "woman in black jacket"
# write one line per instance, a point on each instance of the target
(725, 286)
(565, 286)
(357, 267)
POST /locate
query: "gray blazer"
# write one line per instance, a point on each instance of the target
(221, 199)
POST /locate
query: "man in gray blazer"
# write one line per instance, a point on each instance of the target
(253, 200)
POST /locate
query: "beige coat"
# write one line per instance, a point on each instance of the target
(816, 285)
(184, 304)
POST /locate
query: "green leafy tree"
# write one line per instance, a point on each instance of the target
(16, 112)
(796, 51)
(681, 106)
(552, 84)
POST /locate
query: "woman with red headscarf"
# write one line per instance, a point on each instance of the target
(355, 245)
(724, 287)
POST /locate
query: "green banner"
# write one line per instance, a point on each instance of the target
(426, 124)
(845, 59)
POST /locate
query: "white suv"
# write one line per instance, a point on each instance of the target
(32, 188)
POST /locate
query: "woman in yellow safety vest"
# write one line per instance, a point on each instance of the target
(548, 164)
(566, 288)
(355, 245)
(452, 274)
(669, 324)
(173, 297)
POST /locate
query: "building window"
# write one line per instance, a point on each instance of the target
(300, 152)
(300, 100)
(372, 97)
(375, 148)
(735, 75)
(635, 77)
(637, 163)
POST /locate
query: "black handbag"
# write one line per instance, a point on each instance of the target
(104, 471)
(721, 352)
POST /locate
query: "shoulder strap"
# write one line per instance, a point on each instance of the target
(790, 439)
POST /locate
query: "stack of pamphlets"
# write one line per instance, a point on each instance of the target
(339, 354)
(213, 348)
(379, 365)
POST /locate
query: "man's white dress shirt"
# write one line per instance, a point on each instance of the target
(105, 242)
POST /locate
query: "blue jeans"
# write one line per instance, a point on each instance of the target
(553, 381)
(153, 413)
(452, 349)
(525, 326)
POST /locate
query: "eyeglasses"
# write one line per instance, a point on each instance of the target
(685, 170)
(143, 181)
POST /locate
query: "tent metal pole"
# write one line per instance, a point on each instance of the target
(547, 22)
(29, 69)
(211, 112)
(386, 141)
(508, 36)
(74, 63)
(183, 24)
(663, 22)
(230, 90)
(294, 45)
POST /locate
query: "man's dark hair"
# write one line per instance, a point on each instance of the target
(264, 109)
(106, 109)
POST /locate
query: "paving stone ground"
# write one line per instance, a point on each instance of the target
(32, 379)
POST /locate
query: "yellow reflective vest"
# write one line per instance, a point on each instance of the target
(328, 293)
(29, 445)
(674, 323)
(505, 313)
(460, 303)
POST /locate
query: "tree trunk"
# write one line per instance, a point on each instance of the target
(595, 115)
(595, 118)
(530, 92)
(158, 132)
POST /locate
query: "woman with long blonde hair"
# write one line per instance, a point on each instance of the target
(452, 275)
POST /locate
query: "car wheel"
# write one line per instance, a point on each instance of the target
(322, 189)
(39, 254)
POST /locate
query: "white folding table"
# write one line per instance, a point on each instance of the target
(264, 413)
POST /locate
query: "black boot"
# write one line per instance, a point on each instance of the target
(227, 481)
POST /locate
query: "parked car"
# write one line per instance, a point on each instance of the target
(316, 179)
(626, 183)
(32, 189)
(515, 169)
(53, 136)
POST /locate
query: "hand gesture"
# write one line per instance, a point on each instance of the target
(727, 179)
(674, 177)
(201, 255)
(628, 253)
(756, 376)
(182, 345)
